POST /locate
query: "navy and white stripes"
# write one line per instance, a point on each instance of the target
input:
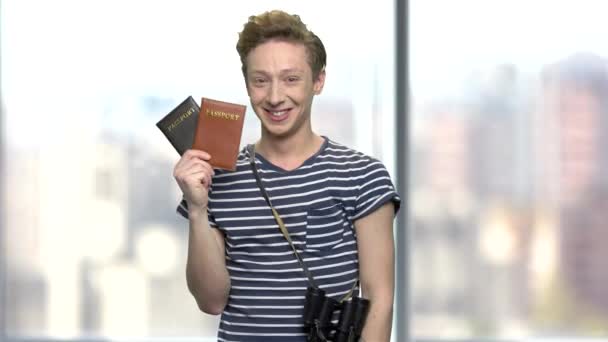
(319, 201)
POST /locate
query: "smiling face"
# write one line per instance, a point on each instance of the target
(281, 87)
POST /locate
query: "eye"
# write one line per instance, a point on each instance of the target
(292, 79)
(259, 81)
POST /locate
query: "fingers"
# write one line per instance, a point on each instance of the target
(196, 165)
(197, 154)
(196, 169)
(192, 171)
(195, 178)
(193, 154)
(199, 170)
(189, 158)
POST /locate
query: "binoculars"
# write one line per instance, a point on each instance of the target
(318, 312)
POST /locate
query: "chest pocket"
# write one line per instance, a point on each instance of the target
(325, 227)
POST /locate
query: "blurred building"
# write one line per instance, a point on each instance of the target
(25, 289)
(578, 89)
(474, 171)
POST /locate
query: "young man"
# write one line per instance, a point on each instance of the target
(337, 204)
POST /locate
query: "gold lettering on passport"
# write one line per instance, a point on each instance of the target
(181, 118)
(222, 115)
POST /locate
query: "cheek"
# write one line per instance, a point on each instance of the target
(303, 95)
(256, 95)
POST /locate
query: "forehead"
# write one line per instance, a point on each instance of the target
(276, 55)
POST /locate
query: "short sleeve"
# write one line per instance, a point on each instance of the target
(182, 210)
(375, 188)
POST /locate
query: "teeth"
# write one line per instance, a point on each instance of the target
(279, 113)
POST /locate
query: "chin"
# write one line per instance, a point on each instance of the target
(282, 134)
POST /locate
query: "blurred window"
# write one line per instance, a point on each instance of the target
(509, 170)
(93, 246)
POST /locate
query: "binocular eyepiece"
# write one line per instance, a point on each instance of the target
(318, 312)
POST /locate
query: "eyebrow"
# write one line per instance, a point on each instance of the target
(282, 72)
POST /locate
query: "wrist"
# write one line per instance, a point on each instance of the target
(196, 213)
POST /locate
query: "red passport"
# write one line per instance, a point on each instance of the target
(218, 132)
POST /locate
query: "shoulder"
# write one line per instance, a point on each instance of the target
(349, 157)
(370, 177)
(240, 174)
(242, 164)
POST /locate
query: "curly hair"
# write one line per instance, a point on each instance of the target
(279, 25)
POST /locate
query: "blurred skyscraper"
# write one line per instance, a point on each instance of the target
(578, 86)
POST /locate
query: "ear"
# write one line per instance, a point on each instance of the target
(319, 82)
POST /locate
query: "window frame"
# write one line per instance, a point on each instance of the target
(401, 328)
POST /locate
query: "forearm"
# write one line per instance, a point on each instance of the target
(206, 272)
(377, 271)
(379, 321)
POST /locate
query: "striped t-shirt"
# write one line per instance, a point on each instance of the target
(318, 202)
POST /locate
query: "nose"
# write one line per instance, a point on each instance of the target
(276, 95)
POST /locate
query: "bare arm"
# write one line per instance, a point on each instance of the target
(206, 272)
(377, 271)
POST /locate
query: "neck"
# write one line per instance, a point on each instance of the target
(289, 152)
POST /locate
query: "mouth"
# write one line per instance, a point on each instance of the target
(277, 115)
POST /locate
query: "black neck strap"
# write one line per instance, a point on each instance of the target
(251, 150)
(258, 180)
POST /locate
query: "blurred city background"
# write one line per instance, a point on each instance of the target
(507, 179)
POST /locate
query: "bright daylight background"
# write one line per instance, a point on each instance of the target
(508, 171)
(93, 246)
